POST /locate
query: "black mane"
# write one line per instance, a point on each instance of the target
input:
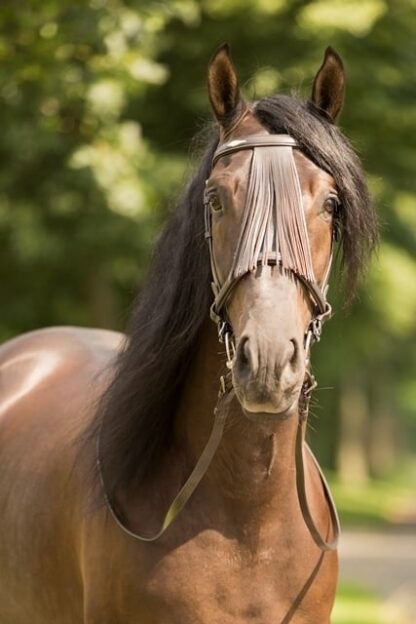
(136, 411)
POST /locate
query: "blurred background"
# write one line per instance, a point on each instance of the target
(100, 102)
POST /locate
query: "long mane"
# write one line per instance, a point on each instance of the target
(135, 414)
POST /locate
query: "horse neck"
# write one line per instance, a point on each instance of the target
(253, 470)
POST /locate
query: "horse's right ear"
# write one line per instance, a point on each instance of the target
(223, 89)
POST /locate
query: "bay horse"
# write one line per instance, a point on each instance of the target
(99, 432)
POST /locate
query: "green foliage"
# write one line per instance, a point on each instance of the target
(376, 504)
(355, 605)
(80, 190)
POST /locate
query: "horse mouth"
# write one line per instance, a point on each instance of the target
(268, 413)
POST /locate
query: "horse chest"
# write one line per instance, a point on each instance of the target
(210, 585)
(210, 581)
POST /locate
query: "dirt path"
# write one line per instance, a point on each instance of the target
(384, 562)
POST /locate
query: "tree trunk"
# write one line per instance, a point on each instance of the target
(353, 461)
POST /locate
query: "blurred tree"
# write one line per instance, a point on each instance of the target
(79, 188)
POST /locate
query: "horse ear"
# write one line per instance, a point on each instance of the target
(329, 85)
(223, 89)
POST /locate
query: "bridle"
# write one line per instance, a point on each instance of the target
(222, 291)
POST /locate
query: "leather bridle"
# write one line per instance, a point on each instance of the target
(222, 291)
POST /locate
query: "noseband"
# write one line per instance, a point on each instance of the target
(300, 267)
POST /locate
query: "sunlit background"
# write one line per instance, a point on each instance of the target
(99, 104)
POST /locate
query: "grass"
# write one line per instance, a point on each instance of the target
(355, 605)
(376, 505)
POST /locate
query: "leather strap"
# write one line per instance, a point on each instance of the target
(303, 501)
(254, 140)
(221, 411)
(225, 397)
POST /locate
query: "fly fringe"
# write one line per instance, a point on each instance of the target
(274, 226)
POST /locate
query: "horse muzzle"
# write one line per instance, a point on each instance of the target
(268, 375)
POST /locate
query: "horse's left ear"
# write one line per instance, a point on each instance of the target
(329, 85)
(223, 88)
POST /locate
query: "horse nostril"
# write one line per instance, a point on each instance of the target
(244, 356)
(293, 359)
(245, 351)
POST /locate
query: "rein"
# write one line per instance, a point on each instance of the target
(296, 260)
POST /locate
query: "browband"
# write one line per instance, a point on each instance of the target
(254, 140)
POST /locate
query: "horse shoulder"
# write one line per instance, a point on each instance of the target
(49, 383)
(45, 366)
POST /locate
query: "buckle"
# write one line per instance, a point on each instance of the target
(308, 387)
(226, 385)
(215, 316)
(314, 331)
(316, 328)
(222, 329)
(229, 349)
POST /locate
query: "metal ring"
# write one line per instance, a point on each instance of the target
(229, 348)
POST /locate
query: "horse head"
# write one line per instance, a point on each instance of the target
(271, 216)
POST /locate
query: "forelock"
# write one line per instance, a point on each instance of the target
(325, 145)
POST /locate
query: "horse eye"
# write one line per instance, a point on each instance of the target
(330, 205)
(215, 204)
